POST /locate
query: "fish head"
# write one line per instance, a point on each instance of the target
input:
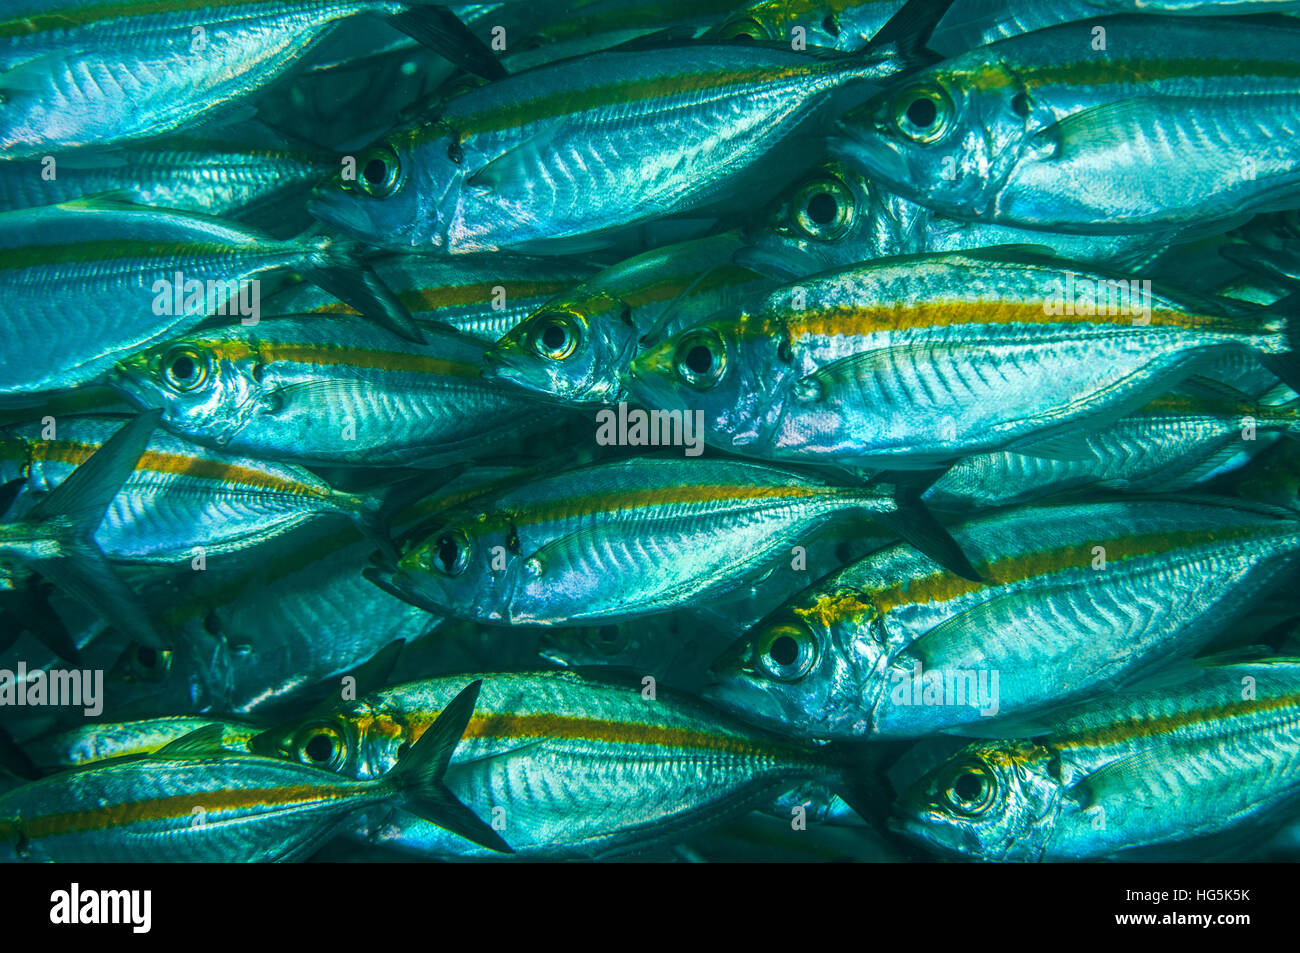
(333, 742)
(468, 568)
(727, 370)
(948, 137)
(772, 21)
(993, 800)
(833, 218)
(208, 390)
(576, 349)
(388, 195)
(811, 666)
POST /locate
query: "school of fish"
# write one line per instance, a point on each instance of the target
(725, 430)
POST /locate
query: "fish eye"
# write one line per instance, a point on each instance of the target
(701, 359)
(380, 172)
(786, 651)
(321, 746)
(184, 368)
(970, 790)
(923, 113)
(824, 209)
(450, 553)
(745, 29)
(555, 335)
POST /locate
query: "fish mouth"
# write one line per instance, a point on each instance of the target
(871, 156)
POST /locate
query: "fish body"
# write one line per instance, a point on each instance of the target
(180, 498)
(79, 75)
(917, 361)
(197, 801)
(102, 741)
(1164, 767)
(1172, 121)
(622, 539)
(1077, 598)
(482, 297)
(570, 765)
(844, 25)
(560, 158)
(86, 283)
(1171, 444)
(576, 348)
(325, 391)
(836, 217)
(190, 174)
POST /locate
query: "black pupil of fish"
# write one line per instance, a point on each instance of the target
(320, 749)
(922, 113)
(699, 359)
(830, 26)
(1020, 103)
(183, 368)
(146, 656)
(784, 650)
(448, 552)
(376, 171)
(969, 786)
(822, 208)
(554, 337)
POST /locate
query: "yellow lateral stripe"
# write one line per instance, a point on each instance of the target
(327, 355)
(520, 114)
(506, 726)
(943, 586)
(1133, 729)
(851, 320)
(74, 454)
(175, 806)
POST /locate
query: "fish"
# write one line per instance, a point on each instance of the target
(182, 172)
(1079, 598)
(55, 537)
(325, 391)
(1160, 769)
(568, 157)
(1174, 443)
(481, 297)
(836, 217)
(626, 538)
(1152, 123)
(194, 800)
(914, 362)
(576, 347)
(969, 24)
(121, 70)
(103, 741)
(88, 282)
(567, 764)
(181, 499)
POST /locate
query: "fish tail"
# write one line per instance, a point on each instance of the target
(912, 520)
(861, 777)
(419, 775)
(76, 507)
(335, 266)
(442, 31)
(907, 33)
(1281, 341)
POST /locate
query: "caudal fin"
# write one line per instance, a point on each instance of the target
(357, 285)
(914, 522)
(419, 775)
(78, 504)
(439, 29)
